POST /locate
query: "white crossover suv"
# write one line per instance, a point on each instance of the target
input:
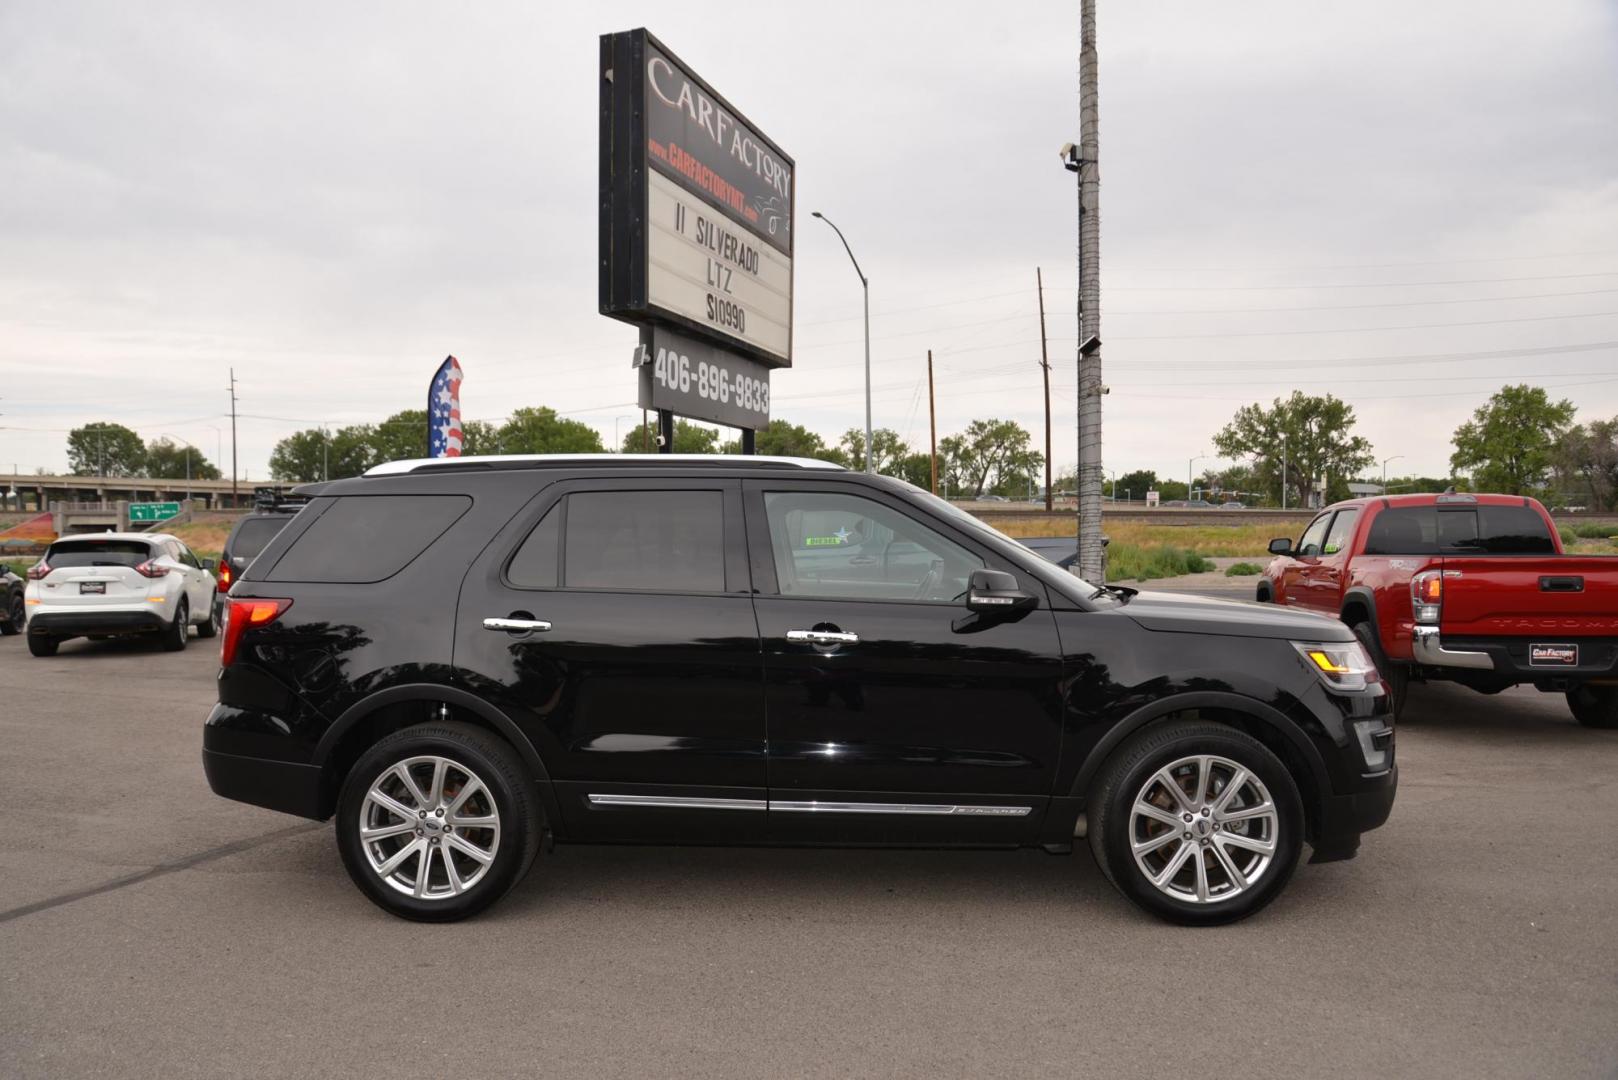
(115, 584)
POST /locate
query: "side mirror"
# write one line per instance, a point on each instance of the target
(990, 592)
(208, 564)
(1281, 546)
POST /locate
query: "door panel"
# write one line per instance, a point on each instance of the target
(932, 725)
(650, 701)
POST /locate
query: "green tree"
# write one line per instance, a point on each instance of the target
(689, 438)
(1313, 435)
(1136, 483)
(915, 468)
(1509, 443)
(989, 453)
(1411, 485)
(105, 449)
(1586, 460)
(888, 451)
(404, 435)
(539, 430)
(783, 439)
(168, 460)
(323, 454)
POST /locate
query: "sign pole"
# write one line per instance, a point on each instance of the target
(665, 431)
(749, 441)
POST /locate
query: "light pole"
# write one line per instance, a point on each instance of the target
(1188, 467)
(1385, 461)
(188, 449)
(865, 284)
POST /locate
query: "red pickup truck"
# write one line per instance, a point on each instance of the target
(1475, 589)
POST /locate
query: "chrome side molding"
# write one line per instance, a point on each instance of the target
(1428, 649)
(807, 806)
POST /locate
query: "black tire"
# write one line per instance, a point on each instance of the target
(513, 794)
(1396, 677)
(16, 616)
(211, 627)
(42, 646)
(1263, 593)
(1594, 706)
(1127, 773)
(178, 633)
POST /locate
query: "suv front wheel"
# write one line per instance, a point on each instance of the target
(1196, 822)
(438, 821)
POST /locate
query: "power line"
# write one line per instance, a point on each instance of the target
(1361, 329)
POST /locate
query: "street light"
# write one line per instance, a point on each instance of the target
(1385, 461)
(188, 449)
(1188, 467)
(865, 284)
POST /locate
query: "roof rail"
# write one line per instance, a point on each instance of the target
(543, 461)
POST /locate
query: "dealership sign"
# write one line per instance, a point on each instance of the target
(696, 212)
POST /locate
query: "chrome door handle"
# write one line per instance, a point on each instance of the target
(517, 626)
(823, 637)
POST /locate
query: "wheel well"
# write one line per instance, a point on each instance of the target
(1278, 744)
(1263, 590)
(383, 721)
(1356, 612)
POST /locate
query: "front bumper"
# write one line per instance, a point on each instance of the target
(1344, 817)
(93, 621)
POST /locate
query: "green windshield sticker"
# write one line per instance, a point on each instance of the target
(822, 541)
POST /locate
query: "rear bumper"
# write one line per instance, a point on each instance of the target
(275, 785)
(1513, 659)
(1429, 651)
(93, 621)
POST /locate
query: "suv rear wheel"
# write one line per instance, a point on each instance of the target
(16, 616)
(39, 645)
(1196, 822)
(1594, 706)
(438, 821)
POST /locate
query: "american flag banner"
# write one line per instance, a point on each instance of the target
(444, 411)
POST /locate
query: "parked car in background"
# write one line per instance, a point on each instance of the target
(1474, 589)
(13, 611)
(118, 584)
(1233, 505)
(273, 507)
(461, 657)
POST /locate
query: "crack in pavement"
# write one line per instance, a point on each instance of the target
(185, 863)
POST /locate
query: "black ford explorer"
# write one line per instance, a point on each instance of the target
(459, 658)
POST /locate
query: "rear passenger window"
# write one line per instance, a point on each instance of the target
(653, 541)
(368, 538)
(1341, 532)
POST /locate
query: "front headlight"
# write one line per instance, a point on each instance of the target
(1342, 666)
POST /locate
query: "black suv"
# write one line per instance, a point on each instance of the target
(458, 658)
(273, 507)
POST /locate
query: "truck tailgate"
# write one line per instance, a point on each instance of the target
(1566, 596)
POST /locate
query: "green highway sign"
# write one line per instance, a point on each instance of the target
(153, 511)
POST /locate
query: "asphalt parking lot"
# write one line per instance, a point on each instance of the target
(148, 928)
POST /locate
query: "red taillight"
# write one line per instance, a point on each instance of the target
(150, 569)
(245, 615)
(1427, 596)
(224, 572)
(38, 570)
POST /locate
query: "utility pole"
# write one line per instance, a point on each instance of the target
(1045, 364)
(235, 498)
(932, 422)
(1091, 551)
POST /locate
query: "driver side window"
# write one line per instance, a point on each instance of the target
(1313, 535)
(835, 545)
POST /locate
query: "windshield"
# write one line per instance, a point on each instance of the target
(98, 553)
(1055, 577)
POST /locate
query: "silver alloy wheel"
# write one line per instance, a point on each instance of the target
(1203, 829)
(429, 827)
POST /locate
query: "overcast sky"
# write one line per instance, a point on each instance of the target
(331, 197)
